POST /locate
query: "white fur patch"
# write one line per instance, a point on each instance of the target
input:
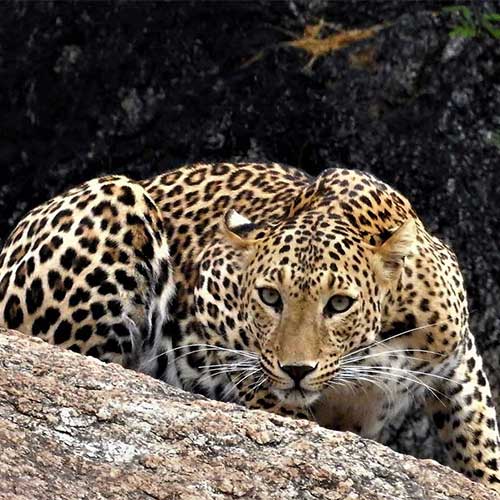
(234, 220)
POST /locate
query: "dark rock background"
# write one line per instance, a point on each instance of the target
(137, 88)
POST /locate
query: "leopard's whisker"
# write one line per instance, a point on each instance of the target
(412, 379)
(258, 383)
(348, 359)
(215, 373)
(210, 375)
(308, 408)
(242, 379)
(377, 382)
(207, 347)
(395, 336)
(406, 370)
(233, 388)
(343, 384)
(228, 365)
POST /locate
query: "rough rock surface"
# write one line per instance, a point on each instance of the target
(136, 88)
(74, 428)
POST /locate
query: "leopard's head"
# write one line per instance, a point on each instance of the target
(311, 291)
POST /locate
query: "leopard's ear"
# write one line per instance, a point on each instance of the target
(240, 231)
(390, 256)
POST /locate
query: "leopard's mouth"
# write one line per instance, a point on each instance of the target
(297, 397)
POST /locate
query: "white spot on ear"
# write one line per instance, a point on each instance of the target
(235, 220)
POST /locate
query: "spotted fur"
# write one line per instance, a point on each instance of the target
(321, 298)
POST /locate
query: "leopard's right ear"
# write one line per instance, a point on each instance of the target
(389, 257)
(240, 231)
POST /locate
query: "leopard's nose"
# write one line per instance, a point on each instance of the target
(298, 371)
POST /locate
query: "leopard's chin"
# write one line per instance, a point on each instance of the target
(298, 398)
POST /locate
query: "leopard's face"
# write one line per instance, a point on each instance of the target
(310, 297)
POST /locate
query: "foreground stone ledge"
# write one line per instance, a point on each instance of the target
(74, 428)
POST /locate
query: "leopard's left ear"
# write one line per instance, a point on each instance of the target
(241, 232)
(390, 256)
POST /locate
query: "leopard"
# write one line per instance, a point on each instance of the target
(322, 297)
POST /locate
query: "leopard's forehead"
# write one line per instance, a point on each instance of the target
(311, 250)
(312, 236)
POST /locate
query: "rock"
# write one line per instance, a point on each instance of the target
(137, 89)
(73, 427)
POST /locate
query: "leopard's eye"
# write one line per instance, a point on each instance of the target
(270, 297)
(338, 304)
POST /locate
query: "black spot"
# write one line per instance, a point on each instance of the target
(115, 307)
(107, 288)
(102, 329)
(80, 296)
(148, 250)
(13, 314)
(94, 352)
(46, 253)
(123, 257)
(20, 278)
(80, 264)
(127, 197)
(61, 214)
(56, 241)
(424, 305)
(134, 220)
(99, 208)
(34, 296)
(63, 332)
(83, 333)
(107, 188)
(112, 345)
(40, 325)
(97, 277)
(54, 278)
(161, 368)
(31, 266)
(471, 363)
(90, 244)
(52, 315)
(79, 315)
(172, 329)
(481, 380)
(128, 282)
(98, 310)
(462, 440)
(440, 419)
(4, 284)
(67, 258)
(400, 327)
(492, 464)
(59, 294)
(108, 259)
(128, 238)
(121, 330)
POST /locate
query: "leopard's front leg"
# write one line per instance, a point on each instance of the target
(467, 421)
